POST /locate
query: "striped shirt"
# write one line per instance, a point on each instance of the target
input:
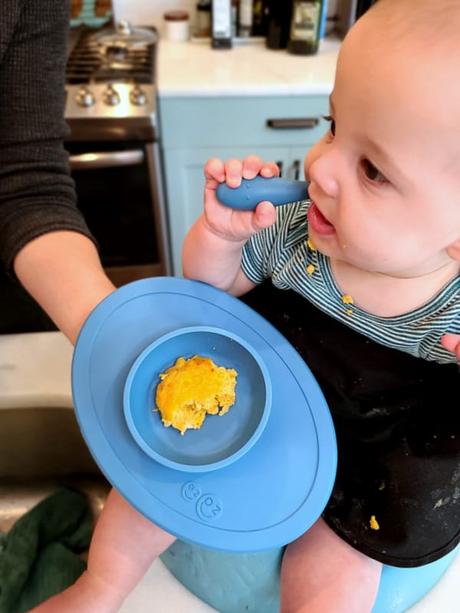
(284, 253)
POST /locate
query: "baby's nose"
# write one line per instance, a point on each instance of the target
(322, 174)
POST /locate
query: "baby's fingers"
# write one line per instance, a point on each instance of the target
(270, 169)
(451, 342)
(254, 165)
(214, 172)
(233, 172)
(264, 216)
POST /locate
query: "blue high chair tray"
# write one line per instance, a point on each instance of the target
(264, 499)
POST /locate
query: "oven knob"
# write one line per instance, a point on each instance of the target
(85, 97)
(111, 96)
(137, 96)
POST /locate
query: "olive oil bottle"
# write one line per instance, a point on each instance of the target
(304, 33)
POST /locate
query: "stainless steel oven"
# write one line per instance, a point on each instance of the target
(120, 194)
(114, 148)
(115, 161)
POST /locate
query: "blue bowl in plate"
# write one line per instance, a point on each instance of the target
(222, 439)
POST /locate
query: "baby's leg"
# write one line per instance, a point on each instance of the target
(123, 547)
(323, 574)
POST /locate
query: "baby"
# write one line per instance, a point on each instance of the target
(378, 249)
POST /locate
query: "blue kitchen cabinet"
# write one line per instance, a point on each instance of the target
(196, 129)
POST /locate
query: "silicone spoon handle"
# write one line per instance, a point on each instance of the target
(252, 191)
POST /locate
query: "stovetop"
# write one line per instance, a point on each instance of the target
(117, 84)
(87, 64)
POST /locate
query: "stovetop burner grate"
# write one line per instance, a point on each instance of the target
(88, 64)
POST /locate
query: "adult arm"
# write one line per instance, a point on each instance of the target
(62, 271)
(43, 237)
(36, 192)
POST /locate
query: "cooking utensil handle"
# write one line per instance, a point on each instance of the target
(252, 191)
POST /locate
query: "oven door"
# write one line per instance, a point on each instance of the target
(119, 191)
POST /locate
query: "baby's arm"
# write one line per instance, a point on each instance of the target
(123, 547)
(213, 247)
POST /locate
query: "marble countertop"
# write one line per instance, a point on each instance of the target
(35, 370)
(193, 69)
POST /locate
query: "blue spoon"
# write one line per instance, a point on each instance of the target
(252, 191)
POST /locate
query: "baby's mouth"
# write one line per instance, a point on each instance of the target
(318, 222)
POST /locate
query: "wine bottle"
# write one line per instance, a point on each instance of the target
(278, 17)
(258, 18)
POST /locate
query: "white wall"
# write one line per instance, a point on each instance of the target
(149, 12)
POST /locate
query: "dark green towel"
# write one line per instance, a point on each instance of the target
(39, 555)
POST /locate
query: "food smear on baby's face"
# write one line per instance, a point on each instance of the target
(193, 388)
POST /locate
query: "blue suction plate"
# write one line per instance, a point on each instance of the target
(265, 499)
(221, 439)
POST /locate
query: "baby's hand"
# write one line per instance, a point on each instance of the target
(224, 221)
(451, 342)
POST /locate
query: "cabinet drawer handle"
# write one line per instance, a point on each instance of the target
(292, 123)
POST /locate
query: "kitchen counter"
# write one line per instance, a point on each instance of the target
(35, 370)
(193, 69)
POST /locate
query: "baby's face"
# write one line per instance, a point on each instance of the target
(385, 180)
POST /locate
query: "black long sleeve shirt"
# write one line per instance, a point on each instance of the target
(36, 192)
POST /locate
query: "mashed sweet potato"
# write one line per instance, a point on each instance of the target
(193, 388)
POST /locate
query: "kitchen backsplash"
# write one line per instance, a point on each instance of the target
(149, 12)
(138, 12)
(90, 12)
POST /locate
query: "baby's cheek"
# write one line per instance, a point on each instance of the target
(360, 242)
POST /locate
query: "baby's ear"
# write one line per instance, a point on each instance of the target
(453, 250)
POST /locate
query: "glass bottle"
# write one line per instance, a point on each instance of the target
(235, 12)
(245, 18)
(305, 27)
(203, 18)
(278, 20)
(221, 24)
(258, 18)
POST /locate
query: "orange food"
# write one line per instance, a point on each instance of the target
(192, 389)
(374, 524)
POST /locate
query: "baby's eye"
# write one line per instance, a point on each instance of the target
(331, 120)
(371, 172)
